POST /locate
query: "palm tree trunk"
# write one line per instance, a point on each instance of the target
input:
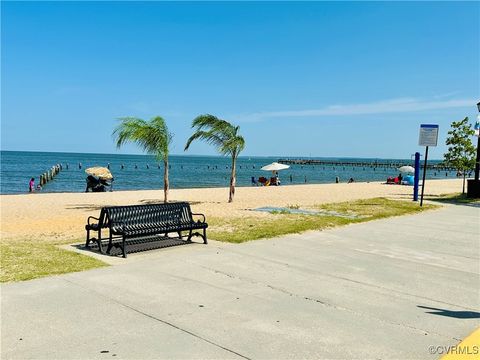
(165, 180)
(232, 178)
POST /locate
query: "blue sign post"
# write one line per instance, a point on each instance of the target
(416, 179)
(428, 137)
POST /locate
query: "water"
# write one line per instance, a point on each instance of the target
(17, 167)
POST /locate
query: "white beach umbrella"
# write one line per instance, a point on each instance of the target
(275, 166)
(406, 169)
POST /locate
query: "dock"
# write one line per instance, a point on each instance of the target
(365, 164)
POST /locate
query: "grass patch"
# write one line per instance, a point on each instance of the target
(26, 260)
(376, 208)
(280, 223)
(280, 212)
(457, 198)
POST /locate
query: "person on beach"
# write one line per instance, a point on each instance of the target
(337, 180)
(277, 179)
(31, 185)
(400, 178)
(351, 180)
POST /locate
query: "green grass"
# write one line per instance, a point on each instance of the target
(457, 198)
(376, 208)
(26, 260)
(280, 223)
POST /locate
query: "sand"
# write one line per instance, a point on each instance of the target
(62, 216)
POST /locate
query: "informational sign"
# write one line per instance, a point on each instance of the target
(428, 135)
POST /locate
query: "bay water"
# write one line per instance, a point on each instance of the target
(186, 171)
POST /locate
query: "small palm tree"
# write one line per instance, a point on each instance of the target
(224, 136)
(152, 136)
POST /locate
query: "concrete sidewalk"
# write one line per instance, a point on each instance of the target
(386, 289)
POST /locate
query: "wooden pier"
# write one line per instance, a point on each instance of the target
(50, 174)
(370, 164)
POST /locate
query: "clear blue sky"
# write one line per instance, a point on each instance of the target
(301, 79)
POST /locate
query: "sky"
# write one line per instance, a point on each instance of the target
(320, 79)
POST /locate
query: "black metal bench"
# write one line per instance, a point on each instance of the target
(132, 225)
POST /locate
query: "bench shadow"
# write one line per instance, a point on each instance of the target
(451, 313)
(152, 243)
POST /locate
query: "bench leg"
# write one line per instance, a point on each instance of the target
(190, 234)
(180, 235)
(87, 242)
(205, 236)
(110, 244)
(100, 240)
(124, 249)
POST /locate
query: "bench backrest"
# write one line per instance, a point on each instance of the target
(171, 213)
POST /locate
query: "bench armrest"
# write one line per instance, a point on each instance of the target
(91, 217)
(199, 215)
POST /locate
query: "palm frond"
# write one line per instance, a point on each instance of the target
(208, 136)
(152, 136)
(220, 133)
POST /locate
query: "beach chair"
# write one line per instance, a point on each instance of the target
(262, 180)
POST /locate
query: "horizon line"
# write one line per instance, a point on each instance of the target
(222, 156)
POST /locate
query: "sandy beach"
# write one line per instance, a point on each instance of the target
(62, 216)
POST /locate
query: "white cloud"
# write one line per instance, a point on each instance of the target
(399, 105)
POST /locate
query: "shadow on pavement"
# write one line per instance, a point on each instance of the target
(450, 313)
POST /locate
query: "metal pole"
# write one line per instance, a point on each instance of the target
(417, 176)
(477, 163)
(424, 174)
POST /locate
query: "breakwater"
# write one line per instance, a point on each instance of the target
(388, 164)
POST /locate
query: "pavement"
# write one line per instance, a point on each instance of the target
(398, 288)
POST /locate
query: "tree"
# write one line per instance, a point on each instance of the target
(224, 136)
(461, 152)
(152, 136)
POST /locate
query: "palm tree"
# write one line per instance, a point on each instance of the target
(152, 136)
(224, 136)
